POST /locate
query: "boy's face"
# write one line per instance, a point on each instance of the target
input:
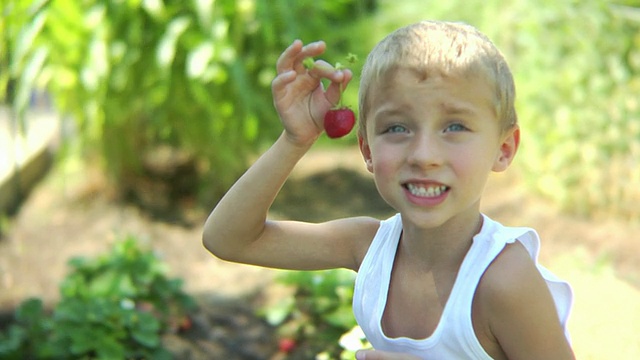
(431, 145)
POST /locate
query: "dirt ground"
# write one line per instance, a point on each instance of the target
(70, 214)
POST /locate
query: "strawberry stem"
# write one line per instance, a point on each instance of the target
(309, 64)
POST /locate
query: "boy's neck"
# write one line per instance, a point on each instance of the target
(440, 248)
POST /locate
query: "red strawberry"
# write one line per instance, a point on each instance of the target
(286, 345)
(185, 324)
(339, 122)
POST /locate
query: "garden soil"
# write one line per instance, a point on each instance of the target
(72, 213)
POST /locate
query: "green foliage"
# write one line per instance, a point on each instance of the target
(115, 306)
(194, 75)
(318, 312)
(23, 340)
(578, 86)
(13, 20)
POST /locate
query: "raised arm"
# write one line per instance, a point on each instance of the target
(238, 230)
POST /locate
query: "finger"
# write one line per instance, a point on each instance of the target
(383, 355)
(292, 57)
(310, 50)
(322, 69)
(288, 57)
(340, 81)
(281, 81)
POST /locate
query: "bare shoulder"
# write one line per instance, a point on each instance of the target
(512, 271)
(356, 231)
(518, 310)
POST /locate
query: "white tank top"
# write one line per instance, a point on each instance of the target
(454, 337)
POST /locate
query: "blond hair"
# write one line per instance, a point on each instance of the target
(445, 48)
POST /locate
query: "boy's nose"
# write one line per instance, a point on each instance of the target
(425, 152)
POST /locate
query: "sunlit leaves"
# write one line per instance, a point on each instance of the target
(167, 48)
(28, 77)
(136, 74)
(198, 61)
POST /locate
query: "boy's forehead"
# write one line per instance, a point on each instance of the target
(405, 87)
(411, 77)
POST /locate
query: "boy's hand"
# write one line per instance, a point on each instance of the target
(383, 355)
(298, 94)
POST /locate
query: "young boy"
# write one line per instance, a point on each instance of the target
(439, 280)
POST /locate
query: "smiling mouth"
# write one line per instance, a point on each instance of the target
(426, 191)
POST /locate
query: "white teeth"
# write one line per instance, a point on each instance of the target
(431, 191)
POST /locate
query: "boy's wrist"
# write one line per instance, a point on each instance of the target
(297, 143)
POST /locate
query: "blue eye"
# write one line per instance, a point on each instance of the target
(455, 128)
(396, 129)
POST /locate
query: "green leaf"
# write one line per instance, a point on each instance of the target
(276, 314)
(342, 317)
(204, 10)
(147, 331)
(70, 310)
(28, 79)
(84, 342)
(11, 344)
(108, 348)
(25, 41)
(162, 354)
(166, 50)
(155, 8)
(199, 58)
(30, 311)
(146, 338)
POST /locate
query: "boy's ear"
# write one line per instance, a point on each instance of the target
(366, 153)
(508, 149)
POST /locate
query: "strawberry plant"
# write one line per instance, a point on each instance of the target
(113, 307)
(315, 317)
(128, 272)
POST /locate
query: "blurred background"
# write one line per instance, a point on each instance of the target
(122, 122)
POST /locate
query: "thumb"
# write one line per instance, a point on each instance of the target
(383, 355)
(362, 354)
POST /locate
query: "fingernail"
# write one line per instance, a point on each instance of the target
(360, 355)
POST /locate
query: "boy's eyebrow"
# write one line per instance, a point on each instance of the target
(447, 107)
(388, 112)
(457, 108)
(393, 109)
